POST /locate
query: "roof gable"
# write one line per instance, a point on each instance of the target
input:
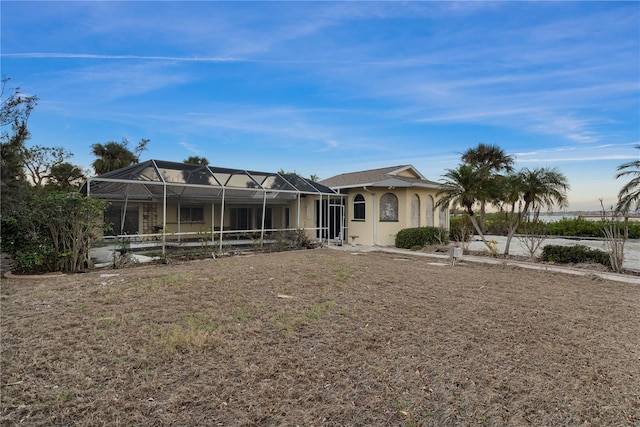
(405, 174)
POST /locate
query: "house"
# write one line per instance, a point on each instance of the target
(380, 202)
(160, 200)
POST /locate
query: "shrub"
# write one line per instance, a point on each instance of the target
(460, 229)
(51, 231)
(574, 255)
(497, 223)
(586, 228)
(420, 237)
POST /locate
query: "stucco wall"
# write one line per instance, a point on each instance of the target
(373, 231)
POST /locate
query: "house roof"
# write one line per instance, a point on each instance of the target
(392, 176)
(153, 179)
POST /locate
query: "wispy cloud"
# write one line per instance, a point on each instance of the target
(61, 55)
(191, 148)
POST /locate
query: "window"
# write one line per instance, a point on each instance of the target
(429, 211)
(240, 218)
(191, 214)
(415, 211)
(115, 215)
(358, 208)
(388, 207)
(267, 218)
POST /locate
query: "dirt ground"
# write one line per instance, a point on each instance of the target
(320, 338)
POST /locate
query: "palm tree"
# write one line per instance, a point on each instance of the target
(463, 187)
(630, 192)
(197, 160)
(115, 155)
(492, 157)
(489, 160)
(535, 189)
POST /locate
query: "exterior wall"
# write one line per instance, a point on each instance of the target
(373, 231)
(150, 216)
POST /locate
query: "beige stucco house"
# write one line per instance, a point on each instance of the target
(380, 202)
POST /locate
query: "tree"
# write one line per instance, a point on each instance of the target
(488, 160)
(66, 176)
(51, 230)
(14, 113)
(197, 160)
(463, 187)
(312, 178)
(115, 155)
(630, 193)
(533, 190)
(39, 161)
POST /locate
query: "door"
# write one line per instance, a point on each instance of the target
(329, 219)
(118, 221)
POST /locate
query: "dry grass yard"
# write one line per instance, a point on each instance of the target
(320, 338)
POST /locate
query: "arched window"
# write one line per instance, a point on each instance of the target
(415, 211)
(359, 207)
(444, 217)
(429, 211)
(388, 207)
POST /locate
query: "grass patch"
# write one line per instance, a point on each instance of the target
(320, 310)
(193, 333)
(285, 323)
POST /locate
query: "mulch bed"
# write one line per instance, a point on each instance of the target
(319, 337)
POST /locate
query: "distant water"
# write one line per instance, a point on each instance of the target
(557, 216)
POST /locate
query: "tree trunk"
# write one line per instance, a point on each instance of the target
(479, 231)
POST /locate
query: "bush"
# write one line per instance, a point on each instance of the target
(574, 255)
(51, 231)
(420, 237)
(460, 229)
(586, 228)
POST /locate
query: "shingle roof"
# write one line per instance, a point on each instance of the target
(372, 176)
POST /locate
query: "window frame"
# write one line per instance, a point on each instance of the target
(359, 208)
(191, 216)
(385, 212)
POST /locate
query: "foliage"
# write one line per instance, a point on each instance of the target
(196, 160)
(420, 237)
(313, 177)
(497, 223)
(460, 229)
(51, 231)
(66, 176)
(532, 190)
(477, 181)
(115, 155)
(574, 255)
(39, 161)
(488, 160)
(616, 234)
(463, 187)
(296, 239)
(580, 227)
(533, 234)
(630, 193)
(14, 113)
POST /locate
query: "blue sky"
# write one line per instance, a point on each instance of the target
(331, 87)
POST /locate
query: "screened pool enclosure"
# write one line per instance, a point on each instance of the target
(177, 203)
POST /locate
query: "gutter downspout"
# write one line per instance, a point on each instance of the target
(375, 221)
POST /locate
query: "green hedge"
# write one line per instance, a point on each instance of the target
(586, 228)
(574, 255)
(419, 237)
